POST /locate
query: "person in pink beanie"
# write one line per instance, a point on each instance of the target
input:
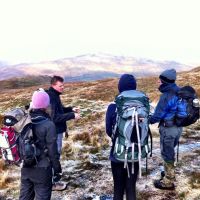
(36, 180)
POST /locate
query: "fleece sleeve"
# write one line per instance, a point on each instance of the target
(110, 118)
(57, 117)
(67, 109)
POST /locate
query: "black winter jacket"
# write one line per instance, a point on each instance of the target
(59, 113)
(45, 132)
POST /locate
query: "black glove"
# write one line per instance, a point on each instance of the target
(57, 177)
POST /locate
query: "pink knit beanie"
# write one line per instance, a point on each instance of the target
(40, 99)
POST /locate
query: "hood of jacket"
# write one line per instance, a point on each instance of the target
(38, 116)
(167, 87)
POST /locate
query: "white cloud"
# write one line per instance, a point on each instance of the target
(34, 30)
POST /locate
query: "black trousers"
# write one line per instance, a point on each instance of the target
(36, 183)
(123, 183)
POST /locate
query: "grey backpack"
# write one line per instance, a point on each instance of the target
(132, 128)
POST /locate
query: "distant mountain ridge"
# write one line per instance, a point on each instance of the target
(91, 67)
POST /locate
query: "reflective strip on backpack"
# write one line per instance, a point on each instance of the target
(125, 157)
(133, 149)
(139, 144)
(133, 116)
(116, 148)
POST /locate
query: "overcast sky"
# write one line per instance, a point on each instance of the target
(41, 30)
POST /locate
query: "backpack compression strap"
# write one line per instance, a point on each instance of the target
(139, 144)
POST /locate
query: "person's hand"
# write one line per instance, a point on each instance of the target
(77, 116)
(76, 109)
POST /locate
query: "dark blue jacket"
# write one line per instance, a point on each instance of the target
(167, 105)
(126, 82)
(45, 131)
(59, 113)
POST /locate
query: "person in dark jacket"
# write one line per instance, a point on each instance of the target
(59, 113)
(36, 181)
(122, 183)
(169, 133)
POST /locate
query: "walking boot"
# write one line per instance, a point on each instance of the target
(167, 177)
(59, 186)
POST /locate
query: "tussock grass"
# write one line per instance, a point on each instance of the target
(2, 165)
(195, 180)
(143, 195)
(84, 137)
(155, 133)
(182, 195)
(197, 126)
(89, 119)
(99, 138)
(188, 133)
(87, 165)
(188, 157)
(67, 151)
(4, 179)
(94, 137)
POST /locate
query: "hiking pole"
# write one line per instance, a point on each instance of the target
(177, 152)
(146, 166)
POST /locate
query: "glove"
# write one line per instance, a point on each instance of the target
(57, 177)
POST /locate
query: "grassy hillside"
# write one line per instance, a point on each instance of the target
(27, 81)
(85, 154)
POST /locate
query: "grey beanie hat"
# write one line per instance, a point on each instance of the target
(168, 76)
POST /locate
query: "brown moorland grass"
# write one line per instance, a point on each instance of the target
(4, 179)
(2, 165)
(195, 180)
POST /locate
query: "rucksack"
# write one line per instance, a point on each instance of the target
(8, 146)
(188, 108)
(132, 128)
(26, 142)
(29, 152)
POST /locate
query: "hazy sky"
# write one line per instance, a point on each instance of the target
(39, 30)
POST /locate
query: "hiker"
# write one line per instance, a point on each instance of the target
(123, 181)
(59, 113)
(169, 132)
(36, 180)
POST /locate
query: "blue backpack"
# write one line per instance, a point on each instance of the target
(188, 108)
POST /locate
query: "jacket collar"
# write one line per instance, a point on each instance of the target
(51, 89)
(38, 116)
(167, 87)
